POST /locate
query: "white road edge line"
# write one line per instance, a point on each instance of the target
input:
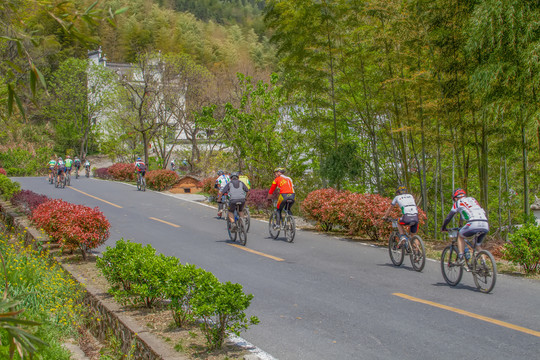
(261, 354)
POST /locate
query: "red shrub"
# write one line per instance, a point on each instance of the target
(256, 200)
(3, 171)
(28, 200)
(359, 214)
(73, 226)
(316, 206)
(122, 171)
(208, 186)
(161, 179)
(103, 173)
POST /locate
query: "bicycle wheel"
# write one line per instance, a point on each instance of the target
(76, 173)
(418, 253)
(485, 271)
(273, 227)
(138, 182)
(56, 181)
(451, 271)
(232, 234)
(247, 218)
(396, 254)
(68, 180)
(143, 183)
(242, 233)
(87, 173)
(289, 227)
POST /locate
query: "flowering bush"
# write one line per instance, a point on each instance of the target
(3, 171)
(524, 247)
(122, 171)
(73, 226)
(103, 173)
(28, 200)
(208, 186)
(161, 179)
(256, 200)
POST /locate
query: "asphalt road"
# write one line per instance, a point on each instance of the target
(322, 297)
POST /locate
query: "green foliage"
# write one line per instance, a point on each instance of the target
(524, 247)
(8, 188)
(221, 307)
(136, 272)
(21, 162)
(182, 284)
(43, 293)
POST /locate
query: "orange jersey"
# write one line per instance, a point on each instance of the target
(284, 183)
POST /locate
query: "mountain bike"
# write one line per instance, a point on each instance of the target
(412, 246)
(481, 264)
(240, 228)
(68, 179)
(87, 171)
(62, 183)
(247, 218)
(141, 182)
(51, 176)
(287, 223)
(76, 173)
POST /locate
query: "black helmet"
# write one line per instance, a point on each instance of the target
(234, 175)
(401, 189)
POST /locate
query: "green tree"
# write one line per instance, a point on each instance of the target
(81, 94)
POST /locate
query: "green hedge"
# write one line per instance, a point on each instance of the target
(138, 275)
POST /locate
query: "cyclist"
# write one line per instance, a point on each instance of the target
(474, 215)
(77, 163)
(60, 168)
(243, 178)
(87, 166)
(140, 167)
(236, 191)
(173, 166)
(69, 164)
(221, 181)
(409, 212)
(52, 166)
(286, 190)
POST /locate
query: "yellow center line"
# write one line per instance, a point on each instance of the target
(470, 314)
(256, 252)
(95, 197)
(165, 222)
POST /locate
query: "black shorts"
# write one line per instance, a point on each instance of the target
(410, 220)
(232, 204)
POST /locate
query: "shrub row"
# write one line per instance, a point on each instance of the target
(155, 179)
(139, 275)
(27, 200)
(72, 226)
(358, 214)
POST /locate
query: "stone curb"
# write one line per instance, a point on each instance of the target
(134, 338)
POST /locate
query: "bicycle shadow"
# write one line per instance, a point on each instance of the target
(279, 238)
(409, 268)
(458, 286)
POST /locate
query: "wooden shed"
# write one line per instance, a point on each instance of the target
(188, 184)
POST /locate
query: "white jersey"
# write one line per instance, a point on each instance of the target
(469, 209)
(406, 203)
(222, 180)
